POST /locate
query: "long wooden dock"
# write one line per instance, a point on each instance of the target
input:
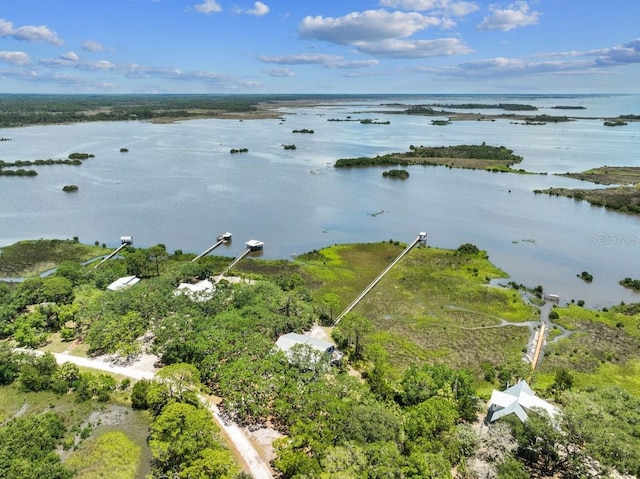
(540, 342)
(118, 249)
(253, 245)
(354, 303)
(223, 238)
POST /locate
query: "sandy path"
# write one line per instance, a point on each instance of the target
(143, 369)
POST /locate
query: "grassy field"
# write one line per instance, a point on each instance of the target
(95, 455)
(609, 175)
(434, 305)
(31, 257)
(111, 454)
(604, 348)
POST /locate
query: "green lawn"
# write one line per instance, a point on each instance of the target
(434, 305)
(31, 257)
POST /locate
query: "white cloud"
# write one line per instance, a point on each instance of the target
(279, 72)
(415, 48)
(329, 61)
(208, 6)
(515, 16)
(353, 64)
(92, 46)
(445, 7)
(70, 57)
(15, 58)
(29, 33)
(102, 65)
(259, 9)
(513, 67)
(301, 59)
(367, 26)
(618, 55)
(64, 60)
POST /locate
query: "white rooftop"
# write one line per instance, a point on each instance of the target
(200, 291)
(516, 400)
(287, 341)
(123, 282)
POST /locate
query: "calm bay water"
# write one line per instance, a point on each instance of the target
(180, 186)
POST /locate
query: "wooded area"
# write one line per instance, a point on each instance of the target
(414, 419)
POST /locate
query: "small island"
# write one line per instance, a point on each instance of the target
(401, 174)
(476, 157)
(80, 156)
(440, 122)
(369, 121)
(568, 107)
(631, 283)
(70, 188)
(304, 130)
(289, 147)
(124, 150)
(585, 276)
(234, 151)
(18, 172)
(615, 123)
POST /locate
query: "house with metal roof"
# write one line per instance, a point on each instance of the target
(122, 283)
(516, 400)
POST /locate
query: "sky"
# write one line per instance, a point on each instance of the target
(319, 46)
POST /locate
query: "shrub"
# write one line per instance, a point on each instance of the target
(468, 248)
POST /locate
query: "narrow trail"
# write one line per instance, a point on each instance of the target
(143, 369)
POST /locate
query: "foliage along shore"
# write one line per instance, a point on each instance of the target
(624, 199)
(29, 109)
(483, 157)
(429, 342)
(609, 175)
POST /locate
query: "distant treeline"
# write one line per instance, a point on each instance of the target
(474, 106)
(568, 107)
(547, 119)
(425, 110)
(19, 110)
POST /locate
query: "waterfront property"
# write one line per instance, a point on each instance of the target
(254, 245)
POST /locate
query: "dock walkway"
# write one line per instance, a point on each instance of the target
(354, 303)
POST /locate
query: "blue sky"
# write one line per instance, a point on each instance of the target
(319, 46)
